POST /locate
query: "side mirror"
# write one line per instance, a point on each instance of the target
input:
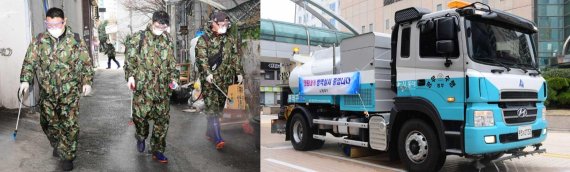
(446, 34)
(446, 29)
(444, 46)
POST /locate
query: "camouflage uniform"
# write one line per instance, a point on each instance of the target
(153, 69)
(63, 66)
(224, 75)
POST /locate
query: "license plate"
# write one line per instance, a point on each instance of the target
(525, 132)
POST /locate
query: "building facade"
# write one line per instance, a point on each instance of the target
(378, 16)
(553, 20)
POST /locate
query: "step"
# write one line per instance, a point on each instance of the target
(341, 140)
(341, 123)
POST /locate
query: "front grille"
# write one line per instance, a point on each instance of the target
(511, 116)
(519, 95)
(510, 112)
(513, 137)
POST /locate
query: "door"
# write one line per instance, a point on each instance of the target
(441, 80)
(15, 35)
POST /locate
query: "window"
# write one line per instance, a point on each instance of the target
(438, 7)
(333, 22)
(262, 98)
(428, 48)
(485, 1)
(269, 75)
(363, 29)
(550, 10)
(332, 6)
(371, 27)
(497, 45)
(405, 43)
(387, 25)
(300, 20)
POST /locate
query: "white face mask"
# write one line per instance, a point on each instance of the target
(222, 30)
(157, 31)
(55, 32)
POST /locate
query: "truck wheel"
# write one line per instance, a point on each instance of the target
(419, 147)
(302, 135)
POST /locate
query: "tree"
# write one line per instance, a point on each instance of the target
(103, 37)
(144, 7)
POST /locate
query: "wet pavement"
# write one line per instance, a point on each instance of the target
(279, 155)
(107, 142)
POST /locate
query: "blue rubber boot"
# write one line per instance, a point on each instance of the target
(217, 132)
(140, 145)
(159, 157)
(210, 130)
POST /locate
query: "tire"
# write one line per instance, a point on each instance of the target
(419, 148)
(302, 135)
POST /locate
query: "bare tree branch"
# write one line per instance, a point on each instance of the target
(144, 7)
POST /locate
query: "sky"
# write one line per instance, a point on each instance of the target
(280, 10)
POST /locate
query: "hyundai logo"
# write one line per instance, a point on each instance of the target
(522, 112)
(521, 83)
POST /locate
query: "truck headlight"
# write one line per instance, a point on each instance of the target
(544, 114)
(483, 118)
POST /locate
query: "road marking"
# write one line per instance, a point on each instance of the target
(555, 155)
(355, 161)
(290, 165)
(279, 147)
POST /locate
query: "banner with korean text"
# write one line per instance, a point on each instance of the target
(339, 84)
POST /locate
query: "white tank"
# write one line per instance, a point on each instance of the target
(318, 63)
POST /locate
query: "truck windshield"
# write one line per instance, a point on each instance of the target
(494, 45)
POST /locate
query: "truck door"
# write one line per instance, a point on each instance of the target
(439, 64)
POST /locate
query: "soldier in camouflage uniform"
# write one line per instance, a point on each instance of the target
(149, 69)
(60, 60)
(218, 63)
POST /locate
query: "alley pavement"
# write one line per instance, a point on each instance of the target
(107, 142)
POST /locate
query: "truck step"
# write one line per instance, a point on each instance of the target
(452, 133)
(453, 151)
(341, 140)
(341, 123)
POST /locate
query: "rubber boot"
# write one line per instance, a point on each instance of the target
(54, 153)
(159, 157)
(67, 165)
(210, 130)
(218, 136)
(140, 145)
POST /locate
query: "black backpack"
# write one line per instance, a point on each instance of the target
(215, 60)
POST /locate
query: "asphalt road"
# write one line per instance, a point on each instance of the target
(107, 142)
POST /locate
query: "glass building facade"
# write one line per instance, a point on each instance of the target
(553, 20)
